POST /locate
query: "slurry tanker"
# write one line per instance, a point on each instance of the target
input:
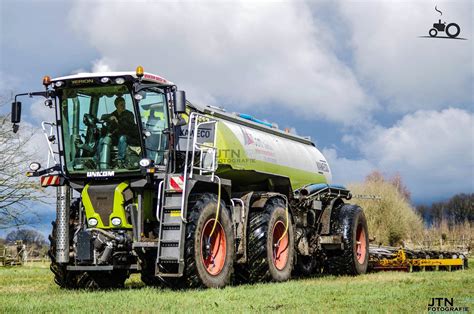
(185, 195)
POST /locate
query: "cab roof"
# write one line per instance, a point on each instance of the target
(148, 77)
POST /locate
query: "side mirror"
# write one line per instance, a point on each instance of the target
(180, 102)
(16, 112)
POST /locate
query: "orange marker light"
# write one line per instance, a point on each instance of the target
(139, 71)
(46, 80)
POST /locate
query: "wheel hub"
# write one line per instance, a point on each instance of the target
(213, 247)
(280, 245)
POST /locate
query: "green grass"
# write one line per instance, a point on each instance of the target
(31, 289)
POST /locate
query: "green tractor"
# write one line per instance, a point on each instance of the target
(186, 195)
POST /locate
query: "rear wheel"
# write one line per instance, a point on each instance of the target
(209, 248)
(270, 244)
(349, 220)
(453, 30)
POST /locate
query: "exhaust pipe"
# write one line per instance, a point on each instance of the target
(62, 224)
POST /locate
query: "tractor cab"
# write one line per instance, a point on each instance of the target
(110, 121)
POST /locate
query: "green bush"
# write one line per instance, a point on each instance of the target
(391, 219)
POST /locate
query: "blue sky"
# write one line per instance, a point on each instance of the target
(353, 75)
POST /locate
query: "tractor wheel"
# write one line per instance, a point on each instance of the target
(433, 32)
(453, 34)
(270, 243)
(209, 248)
(349, 220)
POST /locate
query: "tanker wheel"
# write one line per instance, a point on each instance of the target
(349, 220)
(456, 26)
(209, 247)
(433, 32)
(270, 243)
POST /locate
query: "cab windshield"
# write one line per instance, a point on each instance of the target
(101, 133)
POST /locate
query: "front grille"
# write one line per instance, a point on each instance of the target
(102, 199)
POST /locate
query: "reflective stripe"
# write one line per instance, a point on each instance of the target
(177, 183)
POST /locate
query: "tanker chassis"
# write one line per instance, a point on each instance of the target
(188, 196)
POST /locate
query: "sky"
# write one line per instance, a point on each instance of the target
(362, 78)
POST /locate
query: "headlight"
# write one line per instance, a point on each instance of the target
(116, 221)
(145, 162)
(59, 83)
(35, 166)
(105, 80)
(119, 80)
(92, 222)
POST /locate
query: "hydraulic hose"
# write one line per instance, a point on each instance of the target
(218, 206)
(287, 222)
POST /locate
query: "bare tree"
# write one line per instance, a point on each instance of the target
(16, 190)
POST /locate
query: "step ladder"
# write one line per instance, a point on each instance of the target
(171, 208)
(170, 260)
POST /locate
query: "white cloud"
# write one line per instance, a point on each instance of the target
(244, 53)
(402, 70)
(38, 112)
(345, 170)
(101, 65)
(432, 150)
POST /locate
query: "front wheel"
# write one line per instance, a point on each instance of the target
(209, 251)
(433, 32)
(349, 221)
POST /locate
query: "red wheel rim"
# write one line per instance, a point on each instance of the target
(280, 247)
(361, 244)
(213, 249)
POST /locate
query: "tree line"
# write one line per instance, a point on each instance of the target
(457, 210)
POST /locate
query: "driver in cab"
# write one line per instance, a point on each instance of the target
(123, 128)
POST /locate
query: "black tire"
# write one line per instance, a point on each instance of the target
(349, 220)
(198, 270)
(453, 35)
(147, 273)
(433, 32)
(262, 266)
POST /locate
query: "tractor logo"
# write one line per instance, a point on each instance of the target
(452, 30)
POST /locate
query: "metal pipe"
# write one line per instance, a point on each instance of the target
(109, 235)
(62, 223)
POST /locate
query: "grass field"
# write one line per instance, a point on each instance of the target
(31, 289)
